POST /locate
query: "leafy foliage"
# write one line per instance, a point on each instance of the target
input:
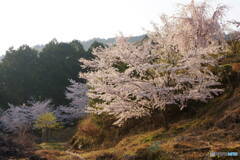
(47, 121)
(17, 75)
(28, 74)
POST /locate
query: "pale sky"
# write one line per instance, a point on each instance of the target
(39, 21)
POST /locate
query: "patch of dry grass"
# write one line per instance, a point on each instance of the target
(185, 140)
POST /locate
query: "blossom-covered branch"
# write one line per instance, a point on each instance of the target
(170, 67)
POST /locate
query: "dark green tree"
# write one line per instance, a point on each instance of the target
(18, 75)
(59, 62)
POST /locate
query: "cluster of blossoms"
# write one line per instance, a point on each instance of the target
(170, 67)
(19, 119)
(77, 94)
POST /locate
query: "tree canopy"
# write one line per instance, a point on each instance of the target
(27, 74)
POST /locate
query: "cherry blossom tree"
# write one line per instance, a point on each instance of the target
(19, 119)
(76, 93)
(16, 120)
(170, 68)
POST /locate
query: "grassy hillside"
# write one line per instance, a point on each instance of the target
(214, 128)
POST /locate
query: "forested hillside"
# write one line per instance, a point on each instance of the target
(27, 74)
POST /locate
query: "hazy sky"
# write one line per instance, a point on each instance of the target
(39, 21)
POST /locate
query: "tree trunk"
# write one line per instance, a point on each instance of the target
(43, 134)
(47, 134)
(158, 119)
(165, 120)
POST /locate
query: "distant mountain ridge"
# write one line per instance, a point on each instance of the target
(88, 43)
(39, 47)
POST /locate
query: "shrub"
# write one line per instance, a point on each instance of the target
(88, 127)
(95, 130)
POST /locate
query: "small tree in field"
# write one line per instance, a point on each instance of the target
(170, 68)
(46, 122)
